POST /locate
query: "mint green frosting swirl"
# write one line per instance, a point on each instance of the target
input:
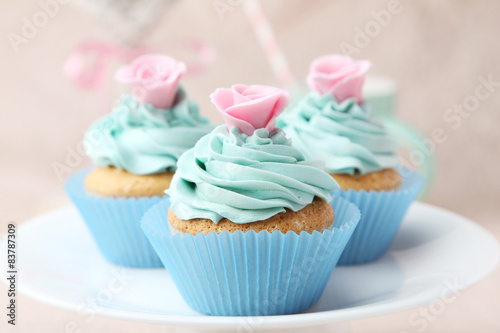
(142, 139)
(245, 178)
(344, 135)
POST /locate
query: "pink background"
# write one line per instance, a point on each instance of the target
(435, 50)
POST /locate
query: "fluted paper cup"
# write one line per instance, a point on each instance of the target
(251, 274)
(115, 224)
(381, 216)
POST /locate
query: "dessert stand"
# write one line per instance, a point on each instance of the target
(435, 256)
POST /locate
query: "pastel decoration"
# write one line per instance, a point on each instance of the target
(154, 79)
(339, 76)
(250, 107)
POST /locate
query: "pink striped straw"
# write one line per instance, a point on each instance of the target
(267, 41)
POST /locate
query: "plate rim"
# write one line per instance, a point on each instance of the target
(269, 322)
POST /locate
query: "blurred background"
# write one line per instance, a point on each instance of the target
(443, 56)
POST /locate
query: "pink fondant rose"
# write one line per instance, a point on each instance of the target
(338, 75)
(153, 78)
(250, 107)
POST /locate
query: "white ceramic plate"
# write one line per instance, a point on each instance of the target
(436, 253)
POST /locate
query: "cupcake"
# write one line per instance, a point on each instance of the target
(332, 123)
(135, 150)
(250, 230)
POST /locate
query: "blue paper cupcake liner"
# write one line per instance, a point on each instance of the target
(115, 224)
(381, 216)
(251, 274)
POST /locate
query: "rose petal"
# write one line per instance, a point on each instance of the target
(256, 112)
(250, 107)
(153, 78)
(338, 75)
(223, 98)
(352, 86)
(243, 126)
